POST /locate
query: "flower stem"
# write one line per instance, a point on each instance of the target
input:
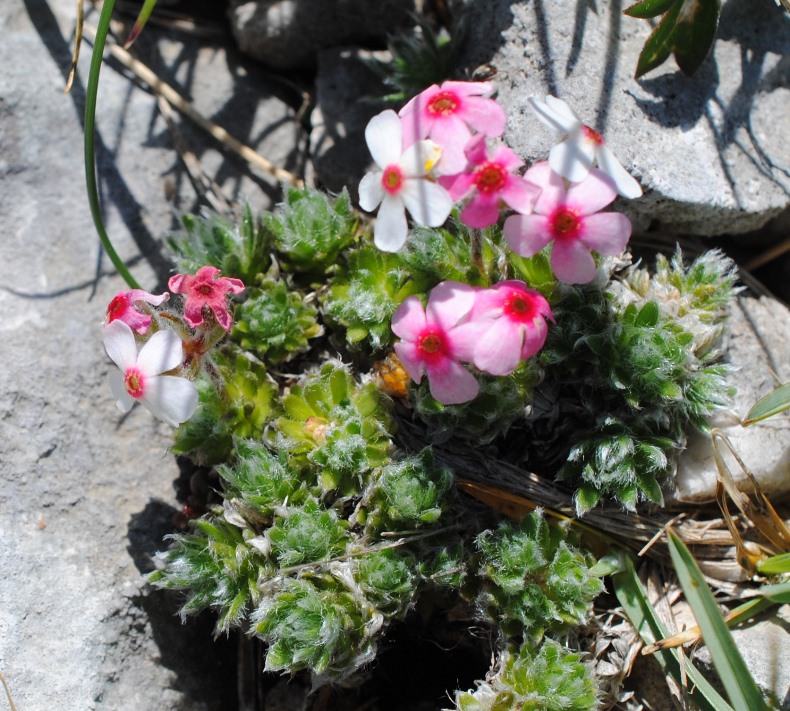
(477, 251)
(90, 137)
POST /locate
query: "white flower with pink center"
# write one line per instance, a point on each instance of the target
(490, 179)
(448, 114)
(511, 325)
(141, 376)
(567, 217)
(583, 146)
(400, 184)
(433, 344)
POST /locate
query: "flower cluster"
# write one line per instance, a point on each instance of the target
(492, 328)
(435, 153)
(156, 374)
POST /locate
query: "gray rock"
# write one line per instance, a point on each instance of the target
(711, 151)
(288, 33)
(87, 493)
(338, 151)
(758, 347)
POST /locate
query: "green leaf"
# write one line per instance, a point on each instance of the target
(139, 23)
(91, 183)
(779, 593)
(637, 606)
(694, 34)
(775, 565)
(687, 30)
(648, 315)
(773, 403)
(660, 43)
(648, 8)
(736, 678)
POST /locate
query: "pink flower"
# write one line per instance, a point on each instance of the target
(432, 343)
(490, 179)
(400, 184)
(206, 294)
(511, 325)
(123, 308)
(573, 157)
(566, 216)
(168, 397)
(446, 114)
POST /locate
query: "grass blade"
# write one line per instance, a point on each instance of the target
(633, 598)
(738, 682)
(773, 403)
(91, 185)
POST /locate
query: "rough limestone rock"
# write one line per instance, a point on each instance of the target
(711, 151)
(87, 493)
(288, 33)
(759, 343)
(338, 150)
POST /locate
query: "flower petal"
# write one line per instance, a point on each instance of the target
(593, 193)
(463, 339)
(607, 233)
(625, 183)
(371, 191)
(499, 350)
(170, 398)
(120, 344)
(551, 184)
(409, 319)
(391, 230)
(520, 195)
(149, 298)
(420, 158)
(123, 400)
(555, 113)
(384, 135)
(458, 185)
(428, 203)
(526, 235)
(448, 303)
(410, 359)
(161, 353)
(452, 134)
(572, 262)
(450, 383)
(482, 211)
(468, 88)
(484, 115)
(534, 338)
(572, 158)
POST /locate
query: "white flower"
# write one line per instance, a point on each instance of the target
(400, 184)
(573, 157)
(168, 397)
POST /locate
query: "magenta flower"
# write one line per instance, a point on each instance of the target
(205, 294)
(141, 376)
(573, 157)
(123, 308)
(489, 180)
(511, 325)
(433, 344)
(400, 183)
(448, 114)
(567, 217)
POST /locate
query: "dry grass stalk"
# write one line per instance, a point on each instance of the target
(161, 88)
